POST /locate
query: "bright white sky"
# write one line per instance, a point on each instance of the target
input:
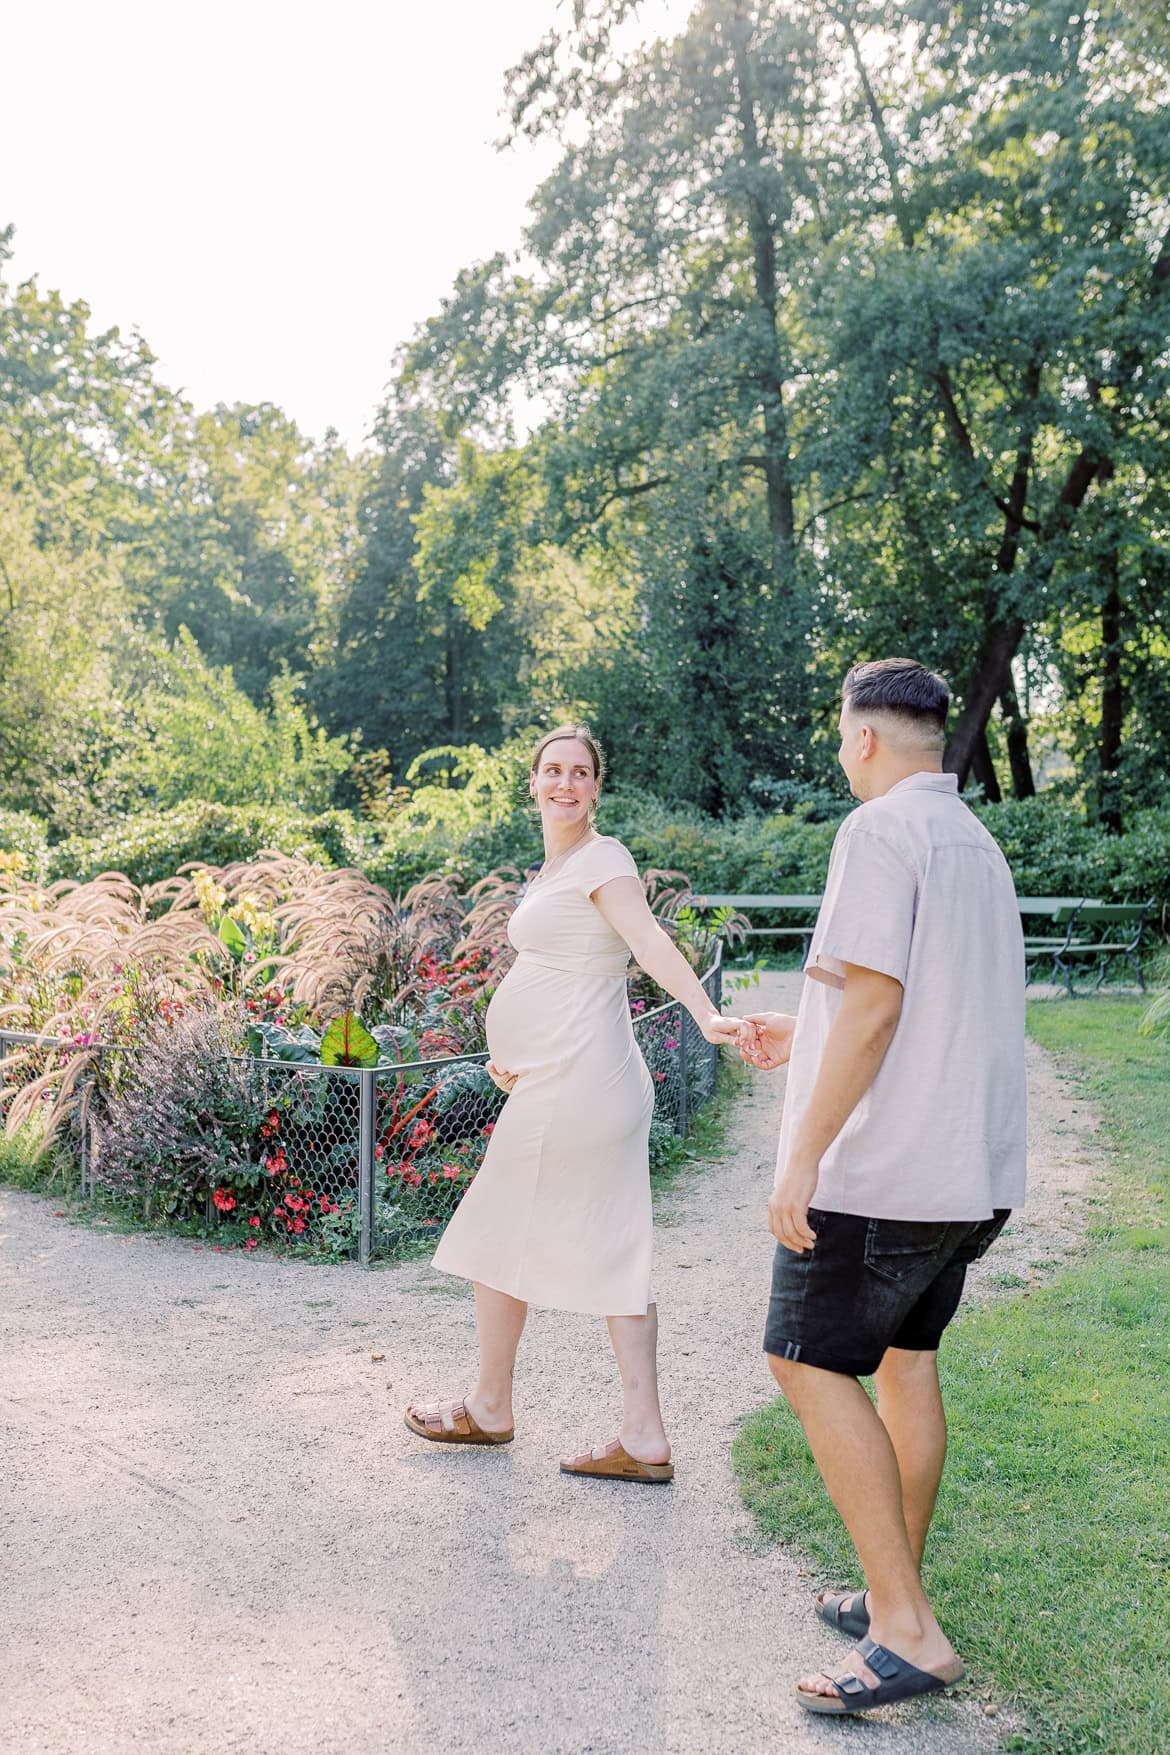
(273, 192)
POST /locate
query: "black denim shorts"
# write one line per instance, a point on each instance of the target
(870, 1284)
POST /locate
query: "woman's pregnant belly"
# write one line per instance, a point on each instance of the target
(541, 1018)
(568, 1037)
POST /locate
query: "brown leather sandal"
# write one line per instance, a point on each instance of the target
(614, 1463)
(451, 1423)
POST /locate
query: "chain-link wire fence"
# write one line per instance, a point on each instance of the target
(347, 1161)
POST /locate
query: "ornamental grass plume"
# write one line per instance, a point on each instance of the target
(347, 944)
(485, 942)
(77, 940)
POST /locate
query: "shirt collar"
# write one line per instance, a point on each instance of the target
(926, 780)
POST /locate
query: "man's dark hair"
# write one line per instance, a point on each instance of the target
(901, 686)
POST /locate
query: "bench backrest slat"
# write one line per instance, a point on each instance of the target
(1095, 912)
(1050, 904)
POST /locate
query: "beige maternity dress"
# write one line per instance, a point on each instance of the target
(559, 1213)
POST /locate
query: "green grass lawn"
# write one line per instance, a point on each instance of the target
(1049, 1562)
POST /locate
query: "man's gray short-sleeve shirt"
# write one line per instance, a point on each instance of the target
(918, 890)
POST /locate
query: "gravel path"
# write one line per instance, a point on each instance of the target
(219, 1536)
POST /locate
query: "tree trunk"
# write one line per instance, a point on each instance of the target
(1112, 704)
(1019, 761)
(999, 647)
(1001, 642)
(776, 459)
(983, 770)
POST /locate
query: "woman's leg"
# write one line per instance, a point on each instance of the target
(500, 1321)
(635, 1344)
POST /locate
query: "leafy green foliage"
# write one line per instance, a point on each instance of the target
(152, 845)
(843, 330)
(347, 1042)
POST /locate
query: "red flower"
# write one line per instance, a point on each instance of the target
(250, 1243)
(276, 1162)
(298, 1225)
(451, 1171)
(326, 1206)
(420, 1135)
(224, 1199)
(253, 1220)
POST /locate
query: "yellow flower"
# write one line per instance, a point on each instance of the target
(212, 897)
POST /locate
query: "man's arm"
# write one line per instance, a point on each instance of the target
(854, 1050)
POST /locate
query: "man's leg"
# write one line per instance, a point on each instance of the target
(910, 1406)
(853, 1451)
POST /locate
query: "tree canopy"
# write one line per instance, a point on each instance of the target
(840, 328)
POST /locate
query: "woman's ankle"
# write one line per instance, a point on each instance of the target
(646, 1443)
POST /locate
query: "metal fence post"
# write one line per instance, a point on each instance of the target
(684, 1022)
(83, 1149)
(367, 1090)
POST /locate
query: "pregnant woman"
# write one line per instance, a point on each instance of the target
(559, 1214)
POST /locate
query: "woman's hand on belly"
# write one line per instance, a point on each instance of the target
(505, 1080)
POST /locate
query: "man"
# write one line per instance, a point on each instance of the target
(901, 1153)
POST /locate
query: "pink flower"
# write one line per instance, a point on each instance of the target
(253, 1221)
(250, 1243)
(672, 1043)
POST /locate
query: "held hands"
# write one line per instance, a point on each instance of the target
(505, 1080)
(765, 1039)
(717, 1028)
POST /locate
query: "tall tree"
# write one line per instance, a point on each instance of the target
(1010, 315)
(658, 305)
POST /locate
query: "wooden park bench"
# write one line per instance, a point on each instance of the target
(1083, 929)
(752, 905)
(1068, 929)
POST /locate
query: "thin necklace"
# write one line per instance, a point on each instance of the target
(560, 858)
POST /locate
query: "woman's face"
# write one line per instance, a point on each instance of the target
(564, 784)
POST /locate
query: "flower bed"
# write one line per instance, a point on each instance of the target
(201, 1046)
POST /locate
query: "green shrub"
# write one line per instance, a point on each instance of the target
(27, 835)
(1053, 851)
(152, 846)
(1050, 847)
